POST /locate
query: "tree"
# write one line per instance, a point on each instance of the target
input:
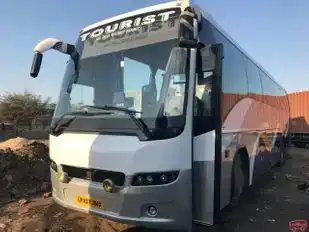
(23, 109)
(46, 119)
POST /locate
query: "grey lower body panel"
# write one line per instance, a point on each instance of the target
(129, 205)
(203, 190)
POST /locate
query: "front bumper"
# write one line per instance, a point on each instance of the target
(129, 205)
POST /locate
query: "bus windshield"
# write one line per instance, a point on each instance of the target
(151, 79)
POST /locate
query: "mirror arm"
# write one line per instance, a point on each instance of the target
(57, 45)
(73, 53)
(68, 49)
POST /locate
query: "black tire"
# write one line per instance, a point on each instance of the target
(239, 180)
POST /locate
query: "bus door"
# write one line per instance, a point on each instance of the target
(207, 135)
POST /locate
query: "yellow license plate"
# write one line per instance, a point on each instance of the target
(89, 202)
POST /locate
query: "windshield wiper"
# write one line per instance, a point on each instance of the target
(108, 107)
(58, 127)
(138, 121)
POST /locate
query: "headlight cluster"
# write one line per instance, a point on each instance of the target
(159, 178)
(54, 166)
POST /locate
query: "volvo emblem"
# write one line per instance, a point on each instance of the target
(108, 185)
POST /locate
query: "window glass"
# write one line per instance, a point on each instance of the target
(241, 76)
(234, 70)
(202, 101)
(136, 75)
(234, 79)
(269, 86)
(273, 93)
(175, 95)
(234, 67)
(81, 95)
(159, 82)
(254, 80)
(280, 91)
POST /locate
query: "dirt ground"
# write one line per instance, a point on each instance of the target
(274, 201)
(269, 206)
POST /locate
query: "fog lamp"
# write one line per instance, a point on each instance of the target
(63, 177)
(152, 211)
(108, 186)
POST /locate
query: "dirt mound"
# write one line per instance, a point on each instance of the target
(15, 143)
(24, 167)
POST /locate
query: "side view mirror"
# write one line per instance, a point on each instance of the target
(49, 44)
(187, 29)
(36, 64)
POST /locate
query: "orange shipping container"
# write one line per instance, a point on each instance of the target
(299, 112)
(255, 112)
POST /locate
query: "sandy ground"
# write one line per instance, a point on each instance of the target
(269, 206)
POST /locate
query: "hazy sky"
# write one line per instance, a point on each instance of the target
(274, 32)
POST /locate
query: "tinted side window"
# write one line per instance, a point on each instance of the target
(276, 102)
(269, 86)
(234, 67)
(271, 102)
(234, 78)
(271, 91)
(254, 80)
(234, 82)
(254, 117)
(234, 70)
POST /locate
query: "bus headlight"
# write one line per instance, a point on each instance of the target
(149, 179)
(158, 178)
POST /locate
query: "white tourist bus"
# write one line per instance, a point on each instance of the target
(209, 120)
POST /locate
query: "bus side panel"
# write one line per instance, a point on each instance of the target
(254, 110)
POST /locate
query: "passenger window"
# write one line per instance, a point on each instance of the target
(234, 71)
(254, 80)
(276, 102)
(269, 86)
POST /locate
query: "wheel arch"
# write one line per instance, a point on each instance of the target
(243, 155)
